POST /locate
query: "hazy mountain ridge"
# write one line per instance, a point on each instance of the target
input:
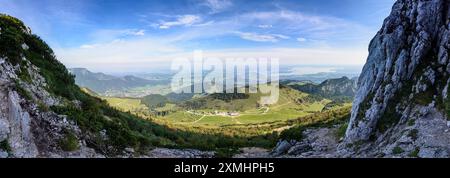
(102, 83)
(295, 73)
(330, 88)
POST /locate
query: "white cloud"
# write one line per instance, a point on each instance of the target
(136, 32)
(261, 37)
(208, 23)
(304, 56)
(149, 55)
(164, 27)
(88, 46)
(184, 20)
(218, 5)
(314, 26)
(264, 26)
(257, 37)
(281, 36)
(117, 54)
(317, 29)
(106, 35)
(301, 39)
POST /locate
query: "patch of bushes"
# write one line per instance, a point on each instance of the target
(60, 81)
(43, 107)
(424, 98)
(95, 116)
(22, 92)
(311, 98)
(411, 122)
(69, 142)
(226, 152)
(154, 100)
(397, 150)
(229, 96)
(446, 104)
(340, 133)
(415, 153)
(295, 133)
(4, 145)
(413, 134)
(364, 106)
(389, 118)
(325, 119)
(11, 38)
(356, 145)
(23, 74)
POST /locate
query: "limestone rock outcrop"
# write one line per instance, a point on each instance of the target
(401, 106)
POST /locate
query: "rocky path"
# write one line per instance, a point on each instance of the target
(178, 153)
(253, 152)
(318, 143)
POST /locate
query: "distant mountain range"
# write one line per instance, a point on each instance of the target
(330, 88)
(133, 85)
(101, 83)
(314, 74)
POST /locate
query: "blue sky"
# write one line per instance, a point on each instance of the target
(111, 35)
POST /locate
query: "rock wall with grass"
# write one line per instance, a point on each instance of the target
(401, 107)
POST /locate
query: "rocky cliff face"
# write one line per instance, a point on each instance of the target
(27, 129)
(401, 107)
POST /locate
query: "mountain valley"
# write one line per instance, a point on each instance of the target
(397, 108)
